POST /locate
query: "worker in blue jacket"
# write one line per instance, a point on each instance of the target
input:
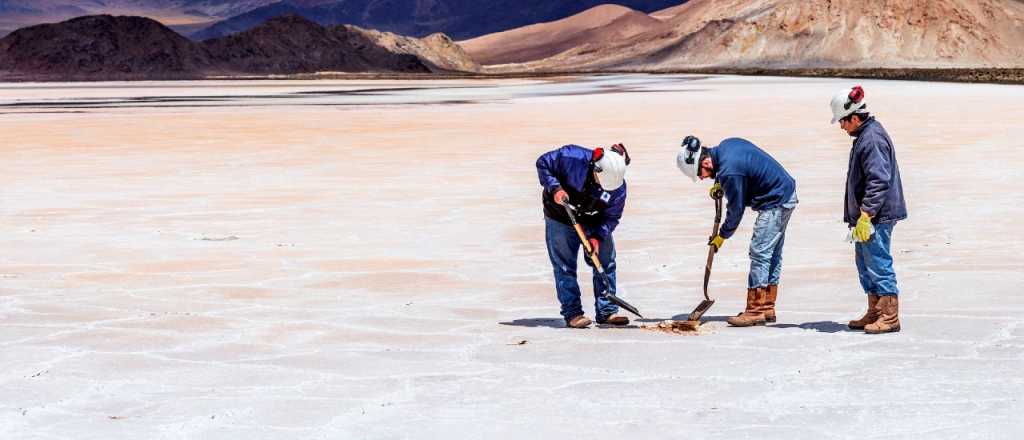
(593, 182)
(874, 204)
(748, 177)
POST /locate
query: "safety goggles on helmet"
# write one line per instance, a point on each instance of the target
(692, 146)
(688, 159)
(847, 102)
(599, 153)
(855, 97)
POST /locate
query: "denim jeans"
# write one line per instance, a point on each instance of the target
(563, 249)
(874, 262)
(766, 245)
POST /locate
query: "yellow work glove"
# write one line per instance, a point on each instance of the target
(716, 242)
(716, 191)
(862, 232)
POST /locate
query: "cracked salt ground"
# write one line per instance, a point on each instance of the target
(415, 266)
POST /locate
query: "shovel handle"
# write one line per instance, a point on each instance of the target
(583, 238)
(590, 250)
(711, 249)
(607, 293)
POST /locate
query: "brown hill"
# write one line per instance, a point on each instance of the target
(595, 27)
(101, 46)
(292, 44)
(668, 13)
(815, 33)
(436, 50)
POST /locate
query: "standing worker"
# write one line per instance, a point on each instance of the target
(593, 183)
(874, 203)
(747, 176)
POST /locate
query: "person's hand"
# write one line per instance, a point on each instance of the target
(716, 192)
(595, 245)
(561, 197)
(716, 242)
(862, 232)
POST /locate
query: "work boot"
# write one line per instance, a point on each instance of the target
(889, 321)
(752, 314)
(870, 316)
(769, 303)
(579, 321)
(613, 320)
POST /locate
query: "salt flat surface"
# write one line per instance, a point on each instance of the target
(364, 259)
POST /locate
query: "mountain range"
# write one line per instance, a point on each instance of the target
(458, 18)
(204, 19)
(768, 34)
(107, 47)
(729, 34)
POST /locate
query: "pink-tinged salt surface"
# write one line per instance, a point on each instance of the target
(243, 261)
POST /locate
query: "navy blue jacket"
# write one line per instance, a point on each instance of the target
(873, 179)
(749, 177)
(569, 168)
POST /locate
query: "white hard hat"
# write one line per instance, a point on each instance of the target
(611, 168)
(688, 159)
(847, 102)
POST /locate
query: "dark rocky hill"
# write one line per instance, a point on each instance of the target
(101, 46)
(189, 14)
(292, 44)
(108, 48)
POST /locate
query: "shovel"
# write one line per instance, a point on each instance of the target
(708, 302)
(606, 290)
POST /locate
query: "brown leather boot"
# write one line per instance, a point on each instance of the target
(769, 303)
(579, 321)
(752, 314)
(889, 321)
(870, 316)
(613, 320)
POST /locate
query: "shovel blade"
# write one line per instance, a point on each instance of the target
(701, 309)
(622, 303)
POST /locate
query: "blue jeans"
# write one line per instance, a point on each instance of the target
(766, 245)
(563, 249)
(874, 262)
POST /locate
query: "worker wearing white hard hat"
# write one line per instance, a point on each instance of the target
(874, 204)
(590, 182)
(748, 177)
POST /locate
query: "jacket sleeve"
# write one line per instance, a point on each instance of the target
(612, 214)
(549, 170)
(734, 187)
(877, 175)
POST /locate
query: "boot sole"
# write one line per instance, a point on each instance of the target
(586, 323)
(880, 332)
(858, 327)
(619, 323)
(755, 324)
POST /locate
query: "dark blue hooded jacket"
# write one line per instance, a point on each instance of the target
(569, 168)
(873, 181)
(749, 177)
